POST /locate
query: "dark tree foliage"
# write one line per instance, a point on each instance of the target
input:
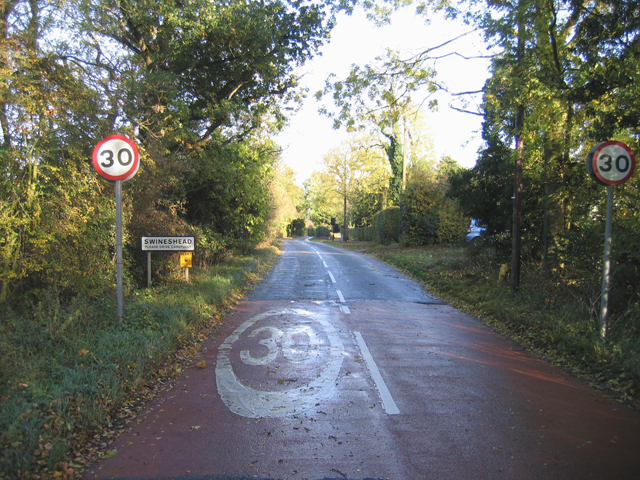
(198, 84)
(485, 191)
(206, 66)
(608, 78)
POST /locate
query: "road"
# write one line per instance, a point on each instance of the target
(337, 366)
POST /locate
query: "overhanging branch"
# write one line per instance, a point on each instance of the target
(466, 111)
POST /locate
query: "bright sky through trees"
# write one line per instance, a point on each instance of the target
(356, 40)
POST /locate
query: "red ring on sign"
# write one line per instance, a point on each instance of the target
(134, 165)
(596, 155)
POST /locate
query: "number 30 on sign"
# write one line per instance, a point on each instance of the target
(611, 163)
(116, 158)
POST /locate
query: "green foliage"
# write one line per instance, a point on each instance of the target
(363, 234)
(550, 316)
(311, 231)
(212, 247)
(297, 228)
(323, 231)
(420, 222)
(287, 199)
(198, 86)
(607, 77)
(354, 172)
(204, 66)
(378, 98)
(485, 191)
(228, 189)
(322, 198)
(386, 225)
(67, 365)
(429, 216)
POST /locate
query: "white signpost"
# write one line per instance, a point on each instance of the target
(117, 159)
(609, 163)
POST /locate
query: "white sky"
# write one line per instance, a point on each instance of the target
(356, 40)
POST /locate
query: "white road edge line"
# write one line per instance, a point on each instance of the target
(333, 280)
(345, 309)
(325, 264)
(387, 400)
(340, 296)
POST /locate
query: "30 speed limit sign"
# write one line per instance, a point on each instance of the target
(611, 163)
(116, 158)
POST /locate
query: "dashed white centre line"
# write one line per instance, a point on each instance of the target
(343, 308)
(385, 395)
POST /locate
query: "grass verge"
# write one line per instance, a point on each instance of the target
(553, 320)
(70, 376)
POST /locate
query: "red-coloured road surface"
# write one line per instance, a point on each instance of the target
(339, 367)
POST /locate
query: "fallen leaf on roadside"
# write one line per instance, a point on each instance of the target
(195, 427)
(111, 453)
(202, 364)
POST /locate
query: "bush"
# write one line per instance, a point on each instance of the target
(453, 225)
(297, 228)
(420, 221)
(311, 231)
(211, 247)
(363, 233)
(419, 229)
(386, 225)
(323, 232)
(67, 365)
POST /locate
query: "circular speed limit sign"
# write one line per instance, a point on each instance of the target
(611, 163)
(116, 158)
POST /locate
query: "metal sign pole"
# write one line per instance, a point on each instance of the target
(120, 296)
(149, 269)
(606, 265)
(117, 159)
(609, 163)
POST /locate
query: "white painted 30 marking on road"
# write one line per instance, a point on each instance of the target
(245, 401)
(385, 395)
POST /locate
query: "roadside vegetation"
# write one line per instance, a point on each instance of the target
(553, 319)
(555, 90)
(202, 88)
(71, 375)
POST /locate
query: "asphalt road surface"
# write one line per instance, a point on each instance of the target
(337, 366)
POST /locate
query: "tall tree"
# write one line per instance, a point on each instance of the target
(206, 66)
(45, 110)
(345, 167)
(606, 77)
(190, 81)
(377, 98)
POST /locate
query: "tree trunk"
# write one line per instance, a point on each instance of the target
(344, 236)
(517, 203)
(518, 186)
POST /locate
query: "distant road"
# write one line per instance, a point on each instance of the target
(337, 366)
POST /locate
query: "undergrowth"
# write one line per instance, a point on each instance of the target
(553, 317)
(69, 373)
